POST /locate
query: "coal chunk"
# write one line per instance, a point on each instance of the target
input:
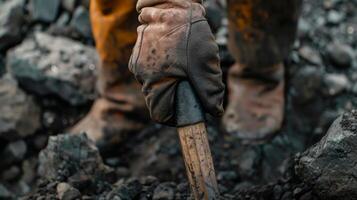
(334, 17)
(125, 191)
(67, 192)
(329, 166)
(48, 65)
(335, 84)
(164, 191)
(311, 55)
(307, 83)
(11, 22)
(81, 23)
(340, 55)
(71, 157)
(44, 10)
(20, 115)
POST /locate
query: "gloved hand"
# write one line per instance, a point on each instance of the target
(175, 43)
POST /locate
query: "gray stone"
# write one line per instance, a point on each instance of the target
(310, 55)
(67, 192)
(247, 162)
(125, 191)
(304, 28)
(69, 156)
(48, 65)
(63, 19)
(341, 55)
(20, 116)
(334, 17)
(330, 165)
(81, 23)
(69, 5)
(11, 22)
(335, 84)
(45, 10)
(164, 191)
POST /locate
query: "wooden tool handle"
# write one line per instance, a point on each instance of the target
(194, 143)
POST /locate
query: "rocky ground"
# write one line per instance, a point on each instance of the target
(47, 70)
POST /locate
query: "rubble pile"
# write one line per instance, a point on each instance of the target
(70, 167)
(48, 69)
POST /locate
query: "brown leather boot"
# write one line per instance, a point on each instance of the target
(256, 106)
(121, 108)
(261, 34)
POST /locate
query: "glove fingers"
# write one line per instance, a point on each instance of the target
(204, 69)
(160, 99)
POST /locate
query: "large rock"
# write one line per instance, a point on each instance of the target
(11, 22)
(48, 65)
(330, 166)
(45, 10)
(69, 157)
(19, 115)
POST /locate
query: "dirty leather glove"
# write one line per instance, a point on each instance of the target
(175, 43)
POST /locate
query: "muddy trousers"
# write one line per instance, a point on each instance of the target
(261, 32)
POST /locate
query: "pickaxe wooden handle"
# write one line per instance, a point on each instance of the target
(194, 143)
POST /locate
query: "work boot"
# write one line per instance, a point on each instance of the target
(261, 33)
(120, 110)
(256, 106)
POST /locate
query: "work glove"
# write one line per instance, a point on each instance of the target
(175, 43)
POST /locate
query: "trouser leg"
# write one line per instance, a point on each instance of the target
(121, 106)
(261, 33)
